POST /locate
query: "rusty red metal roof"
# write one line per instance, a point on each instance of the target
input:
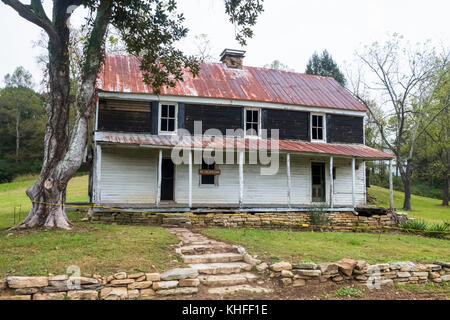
(345, 150)
(122, 74)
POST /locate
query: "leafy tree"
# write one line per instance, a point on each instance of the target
(403, 83)
(324, 65)
(21, 110)
(149, 30)
(277, 65)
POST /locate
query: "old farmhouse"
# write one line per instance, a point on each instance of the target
(319, 140)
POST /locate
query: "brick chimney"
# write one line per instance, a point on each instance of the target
(232, 58)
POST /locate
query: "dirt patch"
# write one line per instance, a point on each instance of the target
(325, 291)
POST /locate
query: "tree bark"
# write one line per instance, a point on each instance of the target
(406, 178)
(445, 190)
(62, 158)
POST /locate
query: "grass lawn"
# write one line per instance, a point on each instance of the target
(95, 248)
(13, 195)
(423, 208)
(276, 245)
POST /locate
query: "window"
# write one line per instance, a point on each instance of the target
(252, 122)
(167, 118)
(317, 127)
(208, 179)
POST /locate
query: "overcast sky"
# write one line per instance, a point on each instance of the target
(287, 30)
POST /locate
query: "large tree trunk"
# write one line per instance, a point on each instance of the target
(48, 194)
(445, 190)
(62, 158)
(406, 178)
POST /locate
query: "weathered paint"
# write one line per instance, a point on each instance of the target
(129, 176)
(346, 150)
(123, 74)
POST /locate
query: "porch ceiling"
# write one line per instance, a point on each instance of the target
(197, 142)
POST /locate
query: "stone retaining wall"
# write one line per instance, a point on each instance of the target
(273, 220)
(180, 281)
(269, 220)
(306, 273)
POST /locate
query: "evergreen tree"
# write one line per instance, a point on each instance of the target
(324, 65)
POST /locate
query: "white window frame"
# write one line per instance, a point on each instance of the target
(216, 180)
(259, 123)
(176, 118)
(324, 127)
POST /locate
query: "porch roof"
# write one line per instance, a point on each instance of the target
(297, 146)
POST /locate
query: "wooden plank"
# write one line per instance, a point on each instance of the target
(98, 170)
(391, 187)
(288, 172)
(241, 177)
(190, 179)
(158, 196)
(331, 182)
(353, 182)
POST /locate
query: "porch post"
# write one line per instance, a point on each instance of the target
(391, 187)
(98, 173)
(288, 171)
(353, 182)
(158, 196)
(190, 179)
(331, 182)
(241, 177)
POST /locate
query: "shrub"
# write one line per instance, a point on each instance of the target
(319, 218)
(348, 292)
(438, 230)
(6, 171)
(419, 225)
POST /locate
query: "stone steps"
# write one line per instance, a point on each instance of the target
(197, 249)
(221, 268)
(213, 258)
(228, 279)
(238, 288)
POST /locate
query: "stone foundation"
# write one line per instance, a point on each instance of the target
(374, 276)
(273, 220)
(269, 220)
(120, 286)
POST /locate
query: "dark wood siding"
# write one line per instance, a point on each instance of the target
(126, 116)
(345, 129)
(212, 117)
(291, 124)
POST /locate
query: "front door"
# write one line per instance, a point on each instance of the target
(167, 177)
(318, 181)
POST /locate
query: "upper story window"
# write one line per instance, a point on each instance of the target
(318, 128)
(167, 118)
(252, 122)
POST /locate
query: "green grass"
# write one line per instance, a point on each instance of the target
(277, 245)
(443, 287)
(95, 248)
(13, 195)
(348, 292)
(428, 209)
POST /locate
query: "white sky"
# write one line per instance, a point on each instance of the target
(288, 30)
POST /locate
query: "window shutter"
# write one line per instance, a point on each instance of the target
(264, 124)
(154, 126)
(180, 115)
(308, 127)
(329, 124)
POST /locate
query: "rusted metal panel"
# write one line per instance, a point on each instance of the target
(345, 150)
(122, 74)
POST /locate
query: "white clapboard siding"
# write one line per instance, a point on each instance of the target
(265, 189)
(226, 191)
(343, 183)
(300, 180)
(128, 175)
